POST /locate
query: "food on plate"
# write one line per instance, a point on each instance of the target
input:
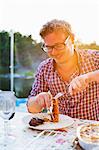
(35, 121)
(88, 136)
(47, 119)
(55, 110)
(90, 133)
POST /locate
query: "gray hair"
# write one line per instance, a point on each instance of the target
(55, 25)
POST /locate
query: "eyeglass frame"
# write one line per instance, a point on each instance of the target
(45, 49)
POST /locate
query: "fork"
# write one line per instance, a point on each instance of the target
(49, 110)
(58, 95)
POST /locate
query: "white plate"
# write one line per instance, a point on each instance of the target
(64, 121)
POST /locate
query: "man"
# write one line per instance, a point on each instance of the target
(70, 71)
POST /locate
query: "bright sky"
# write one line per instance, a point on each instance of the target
(27, 16)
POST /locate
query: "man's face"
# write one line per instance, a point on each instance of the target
(57, 48)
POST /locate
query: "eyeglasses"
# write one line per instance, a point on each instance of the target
(58, 46)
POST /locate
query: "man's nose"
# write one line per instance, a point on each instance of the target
(53, 51)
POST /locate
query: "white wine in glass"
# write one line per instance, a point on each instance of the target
(7, 111)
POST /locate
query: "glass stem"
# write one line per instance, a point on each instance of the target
(6, 131)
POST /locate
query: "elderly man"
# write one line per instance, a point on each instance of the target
(68, 70)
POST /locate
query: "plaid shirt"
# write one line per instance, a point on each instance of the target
(84, 104)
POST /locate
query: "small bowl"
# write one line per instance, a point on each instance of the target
(88, 136)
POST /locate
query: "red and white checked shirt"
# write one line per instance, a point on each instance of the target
(84, 104)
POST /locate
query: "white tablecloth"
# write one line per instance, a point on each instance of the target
(29, 139)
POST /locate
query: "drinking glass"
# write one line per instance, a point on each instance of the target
(7, 111)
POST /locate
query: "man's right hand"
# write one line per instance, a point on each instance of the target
(38, 102)
(44, 99)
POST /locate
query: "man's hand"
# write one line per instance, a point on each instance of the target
(44, 99)
(37, 103)
(78, 84)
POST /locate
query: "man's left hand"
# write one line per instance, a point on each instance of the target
(78, 84)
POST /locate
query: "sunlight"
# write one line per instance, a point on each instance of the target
(28, 16)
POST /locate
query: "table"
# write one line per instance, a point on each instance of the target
(29, 139)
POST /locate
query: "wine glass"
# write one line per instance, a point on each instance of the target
(7, 111)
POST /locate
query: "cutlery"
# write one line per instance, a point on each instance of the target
(58, 95)
(49, 110)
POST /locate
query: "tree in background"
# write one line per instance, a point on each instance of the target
(28, 52)
(4, 52)
(92, 46)
(23, 47)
